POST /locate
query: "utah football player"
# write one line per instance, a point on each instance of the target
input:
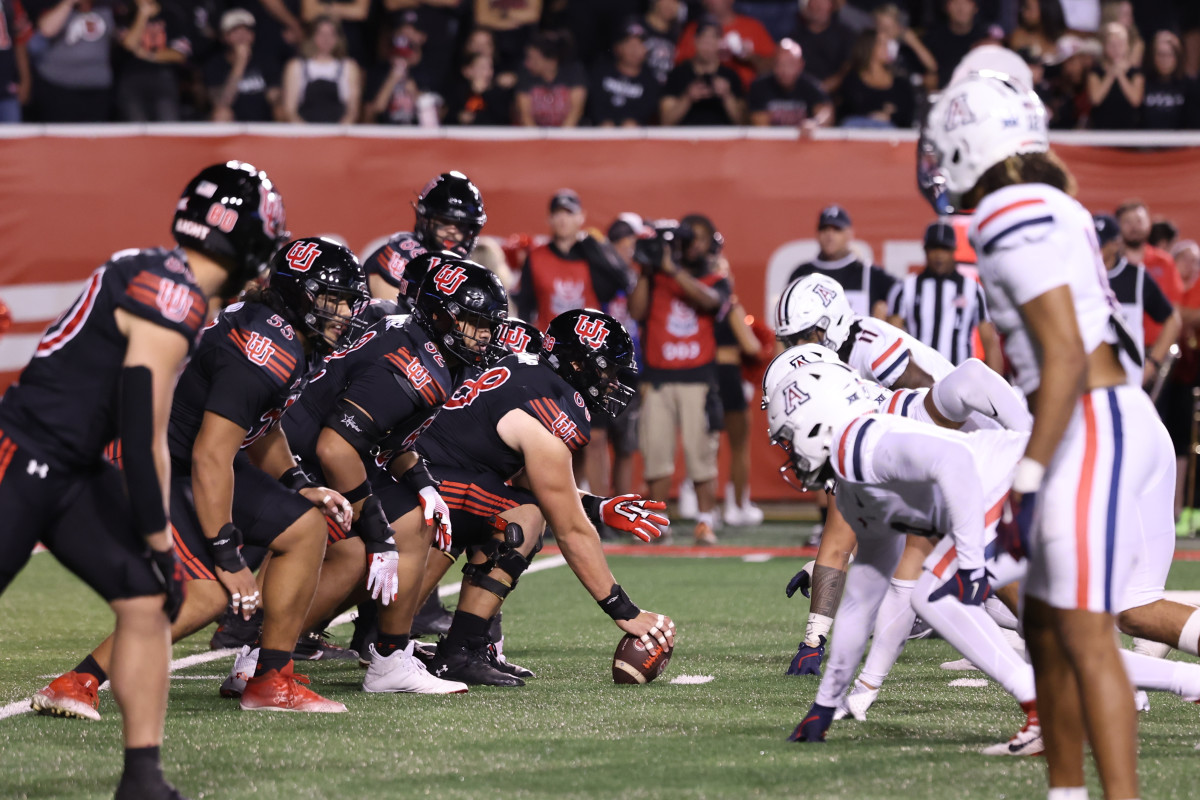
(228, 458)
(106, 369)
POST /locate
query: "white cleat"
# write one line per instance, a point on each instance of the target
(1027, 742)
(403, 672)
(241, 671)
(962, 665)
(855, 704)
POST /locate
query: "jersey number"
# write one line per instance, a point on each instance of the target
(466, 394)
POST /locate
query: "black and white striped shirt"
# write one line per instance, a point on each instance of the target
(942, 311)
(863, 284)
(1140, 296)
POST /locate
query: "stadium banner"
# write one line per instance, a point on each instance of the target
(70, 199)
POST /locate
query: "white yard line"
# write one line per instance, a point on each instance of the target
(22, 706)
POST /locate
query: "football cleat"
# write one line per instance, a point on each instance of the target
(920, 629)
(241, 672)
(1027, 742)
(75, 695)
(471, 664)
(233, 631)
(284, 690)
(366, 630)
(856, 703)
(962, 665)
(432, 619)
(146, 787)
(403, 672)
(315, 646)
(496, 654)
(807, 660)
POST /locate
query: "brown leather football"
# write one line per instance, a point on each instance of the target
(635, 663)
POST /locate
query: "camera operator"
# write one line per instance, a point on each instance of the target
(678, 299)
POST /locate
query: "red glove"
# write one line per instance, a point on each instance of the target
(631, 513)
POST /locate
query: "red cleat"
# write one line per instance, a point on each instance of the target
(282, 690)
(73, 694)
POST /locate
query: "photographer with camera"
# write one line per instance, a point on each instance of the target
(679, 298)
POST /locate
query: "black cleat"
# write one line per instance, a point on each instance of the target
(366, 630)
(425, 652)
(504, 665)
(146, 788)
(233, 631)
(315, 646)
(432, 619)
(470, 663)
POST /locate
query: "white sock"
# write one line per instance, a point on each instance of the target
(1189, 639)
(972, 632)
(893, 623)
(1068, 793)
(1149, 648)
(1159, 675)
(818, 625)
(705, 518)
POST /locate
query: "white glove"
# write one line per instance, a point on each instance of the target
(382, 581)
(437, 514)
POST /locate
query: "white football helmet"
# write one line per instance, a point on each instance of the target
(972, 126)
(814, 301)
(996, 58)
(798, 356)
(804, 409)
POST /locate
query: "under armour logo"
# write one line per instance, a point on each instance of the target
(35, 468)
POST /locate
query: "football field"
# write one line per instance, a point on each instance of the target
(570, 732)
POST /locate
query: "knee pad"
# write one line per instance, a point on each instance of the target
(508, 561)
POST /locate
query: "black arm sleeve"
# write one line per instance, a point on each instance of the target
(137, 451)
(1154, 302)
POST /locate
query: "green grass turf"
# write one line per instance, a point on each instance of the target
(570, 732)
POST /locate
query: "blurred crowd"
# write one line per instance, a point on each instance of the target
(565, 63)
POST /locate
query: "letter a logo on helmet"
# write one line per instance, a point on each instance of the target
(592, 331)
(449, 278)
(959, 113)
(794, 397)
(825, 294)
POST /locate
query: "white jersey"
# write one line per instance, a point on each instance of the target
(898, 476)
(880, 352)
(1030, 239)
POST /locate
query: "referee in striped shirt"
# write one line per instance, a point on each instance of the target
(943, 307)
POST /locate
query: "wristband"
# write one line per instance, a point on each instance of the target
(418, 477)
(360, 492)
(296, 479)
(591, 507)
(226, 549)
(1028, 477)
(618, 605)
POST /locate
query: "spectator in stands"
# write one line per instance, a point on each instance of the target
(476, 99)
(1039, 25)
(512, 25)
(872, 95)
(1133, 219)
(662, 36)
(391, 85)
(1163, 235)
(73, 76)
(777, 16)
(352, 18)
(242, 86)
(1121, 12)
(867, 288)
(1067, 72)
(787, 96)
(1170, 98)
(944, 307)
(1116, 86)
(702, 90)
(949, 41)
(678, 299)
(552, 91)
(624, 91)
(909, 57)
(436, 24)
(15, 79)
(825, 41)
(156, 39)
(745, 45)
(322, 85)
(480, 41)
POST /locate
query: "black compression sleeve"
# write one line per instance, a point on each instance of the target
(137, 451)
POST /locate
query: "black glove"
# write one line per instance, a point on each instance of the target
(169, 571)
(802, 581)
(374, 529)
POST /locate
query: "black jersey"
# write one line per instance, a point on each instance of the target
(393, 372)
(249, 367)
(64, 406)
(389, 261)
(864, 285)
(464, 434)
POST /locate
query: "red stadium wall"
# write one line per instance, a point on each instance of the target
(66, 203)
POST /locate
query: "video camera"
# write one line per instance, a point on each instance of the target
(648, 251)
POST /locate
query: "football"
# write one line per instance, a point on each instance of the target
(634, 662)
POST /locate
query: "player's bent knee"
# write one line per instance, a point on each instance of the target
(309, 532)
(1133, 621)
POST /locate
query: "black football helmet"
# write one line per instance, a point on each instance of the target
(459, 292)
(518, 336)
(233, 214)
(416, 270)
(593, 352)
(449, 199)
(310, 280)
